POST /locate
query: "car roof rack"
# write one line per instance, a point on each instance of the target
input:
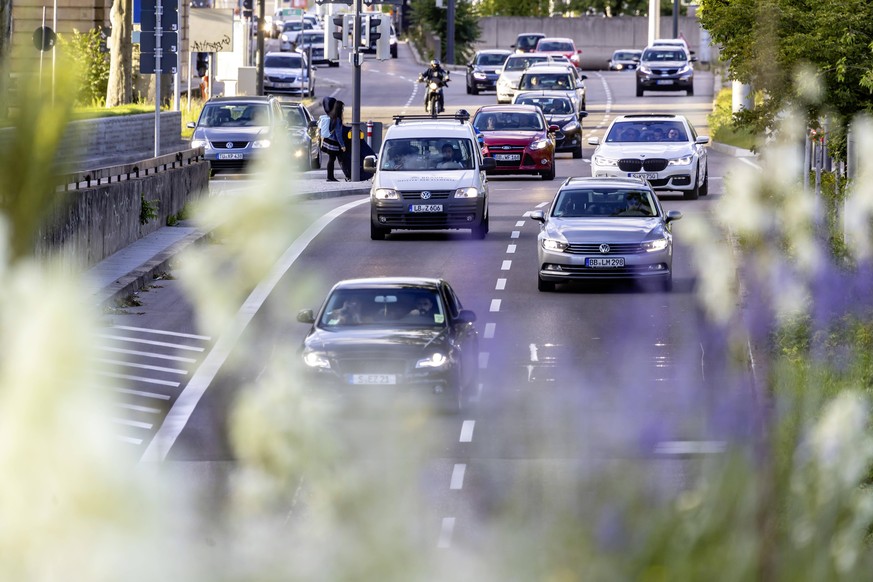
(460, 117)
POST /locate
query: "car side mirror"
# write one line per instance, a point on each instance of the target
(583, 114)
(539, 216)
(702, 139)
(307, 316)
(489, 163)
(191, 125)
(583, 77)
(466, 316)
(553, 128)
(594, 141)
(673, 215)
(370, 163)
(693, 59)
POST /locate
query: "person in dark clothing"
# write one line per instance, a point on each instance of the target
(333, 144)
(435, 72)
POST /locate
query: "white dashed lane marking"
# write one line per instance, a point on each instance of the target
(446, 533)
(501, 285)
(495, 305)
(489, 330)
(467, 431)
(510, 249)
(458, 477)
(506, 265)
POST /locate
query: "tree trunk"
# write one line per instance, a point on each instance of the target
(120, 88)
(5, 29)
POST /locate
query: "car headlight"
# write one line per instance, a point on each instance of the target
(551, 244)
(437, 360)
(645, 70)
(478, 75)
(316, 360)
(284, 38)
(683, 161)
(199, 143)
(572, 126)
(539, 144)
(298, 153)
(260, 143)
(604, 161)
(467, 193)
(658, 244)
(619, 67)
(685, 70)
(386, 194)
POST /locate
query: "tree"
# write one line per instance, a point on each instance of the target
(537, 8)
(120, 88)
(428, 17)
(5, 28)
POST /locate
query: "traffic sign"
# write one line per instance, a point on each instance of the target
(44, 38)
(148, 64)
(169, 42)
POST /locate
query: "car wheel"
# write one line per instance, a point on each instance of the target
(545, 286)
(667, 284)
(550, 173)
(479, 232)
(315, 163)
(469, 90)
(690, 91)
(454, 399)
(577, 153)
(474, 90)
(639, 90)
(704, 189)
(377, 233)
(694, 193)
(584, 106)
(334, 64)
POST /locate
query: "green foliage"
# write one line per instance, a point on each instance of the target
(721, 123)
(428, 19)
(536, 8)
(148, 209)
(92, 65)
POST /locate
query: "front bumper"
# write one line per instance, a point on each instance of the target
(653, 82)
(465, 213)
(568, 141)
(489, 83)
(676, 178)
(505, 95)
(562, 266)
(528, 162)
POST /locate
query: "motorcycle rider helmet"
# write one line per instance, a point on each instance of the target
(434, 63)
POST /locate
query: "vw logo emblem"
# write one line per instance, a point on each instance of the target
(425, 195)
(228, 145)
(604, 248)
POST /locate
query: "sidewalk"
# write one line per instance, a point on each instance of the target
(135, 266)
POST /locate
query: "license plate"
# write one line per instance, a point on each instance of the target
(664, 82)
(425, 207)
(383, 379)
(645, 176)
(609, 263)
(507, 157)
(230, 156)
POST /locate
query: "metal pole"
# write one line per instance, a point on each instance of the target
(54, 47)
(450, 33)
(260, 51)
(299, 41)
(807, 160)
(41, 51)
(356, 96)
(675, 18)
(190, 59)
(159, 12)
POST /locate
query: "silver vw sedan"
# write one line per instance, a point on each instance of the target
(605, 228)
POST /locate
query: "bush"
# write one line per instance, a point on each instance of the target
(721, 123)
(92, 64)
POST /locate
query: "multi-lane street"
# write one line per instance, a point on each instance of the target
(570, 382)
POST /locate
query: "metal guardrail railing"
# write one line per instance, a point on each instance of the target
(96, 177)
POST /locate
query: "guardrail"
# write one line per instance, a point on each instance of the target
(89, 178)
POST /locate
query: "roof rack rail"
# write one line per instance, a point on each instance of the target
(461, 117)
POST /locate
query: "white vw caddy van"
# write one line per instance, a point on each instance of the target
(429, 175)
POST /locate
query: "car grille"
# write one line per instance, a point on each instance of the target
(613, 273)
(434, 195)
(664, 71)
(454, 219)
(274, 79)
(614, 249)
(636, 165)
(235, 145)
(372, 364)
(505, 149)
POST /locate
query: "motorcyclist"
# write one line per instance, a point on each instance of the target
(435, 72)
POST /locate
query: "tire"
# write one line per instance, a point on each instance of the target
(550, 174)
(479, 232)
(690, 92)
(667, 284)
(469, 90)
(577, 153)
(704, 190)
(474, 90)
(334, 64)
(694, 193)
(639, 90)
(584, 106)
(394, 52)
(377, 233)
(315, 163)
(545, 286)
(453, 402)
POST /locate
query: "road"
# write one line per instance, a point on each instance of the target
(571, 382)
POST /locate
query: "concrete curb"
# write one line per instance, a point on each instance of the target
(732, 151)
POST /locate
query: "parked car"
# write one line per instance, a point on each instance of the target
(606, 229)
(513, 67)
(562, 111)
(661, 148)
(625, 60)
(483, 70)
(526, 42)
(554, 78)
(288, 73)
(560, 46)
(394, 338)
(305, 148)
(665, 69)
(518, 138)
(233, 130)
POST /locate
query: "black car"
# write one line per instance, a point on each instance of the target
(526, 42)
(400, 337)
(562, 111)
(484, 69)
(664, 68)
(301, 130)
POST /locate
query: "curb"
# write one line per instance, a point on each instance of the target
(732, 151)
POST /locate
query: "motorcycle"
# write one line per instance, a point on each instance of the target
(433, 102)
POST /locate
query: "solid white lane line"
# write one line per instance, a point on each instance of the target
(139, 379)
(458, 477)
(533, 353)
(162, 332)
(501, 285)
(690, 447)
(446, 531)
(506, 265)
(489, 330)
(143, 394)
(495, 305)
(151, 342)
(147, 354)
(141, 366)
(483, 360)
(467, 431)
(515, 234)
(510, 249)
(136, 408)
(541, 204)
(519, 223)
(133, 423)
(749, 162)
(129, 440)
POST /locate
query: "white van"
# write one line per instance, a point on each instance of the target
(429, 175)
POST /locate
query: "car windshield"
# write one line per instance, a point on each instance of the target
(620, 56)
(294, 117)
(391, 307)
(234, 115)
(549, 105)
(293, 25)
(428, 154)
(600, 202)
(311, 38)
(521, 63)
(647, 131)
(550, 45)
(283, 62)
(663, 55)
(545, 82)
(491, 60)
(508, 121)
(527, 42)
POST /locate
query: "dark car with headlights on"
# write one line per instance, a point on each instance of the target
(664, 68)
(233, 130)
(562, 111)
(484, 70)
(393, 338)
(302, 132)
(605, 229)
(518, 138)
(624, 60)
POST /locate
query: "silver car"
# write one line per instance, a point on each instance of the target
(513, 68)
(288, 73)
(605, 229)
(663, 149)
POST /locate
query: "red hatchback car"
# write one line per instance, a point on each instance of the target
(519, 139)
(561, 46)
